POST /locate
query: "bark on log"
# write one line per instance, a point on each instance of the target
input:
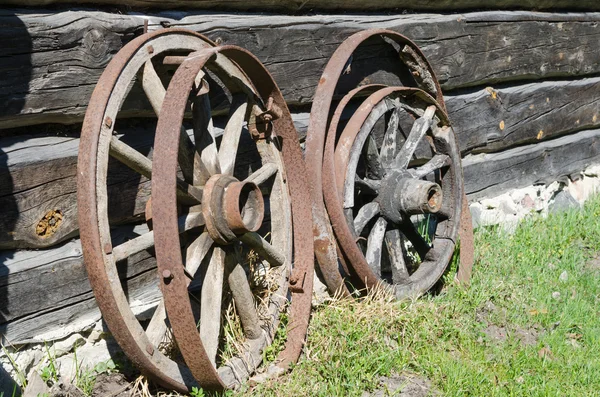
(46, 294)
(338, 5)
(50, 62)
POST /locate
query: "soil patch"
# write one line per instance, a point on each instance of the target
(114, 385)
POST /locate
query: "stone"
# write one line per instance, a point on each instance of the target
(592, 171)
(476, 211)
(582, 189)
(556, 295)
(563, 201)
(320, 293)
(527, 202)
(508, 206)
(67, 345)
(88, 356)
(35, 385)
(564, 276)
(99, 332)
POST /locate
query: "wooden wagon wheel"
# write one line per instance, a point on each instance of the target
(235, 202)
(320, 145)
(401, 202)
(99, 144)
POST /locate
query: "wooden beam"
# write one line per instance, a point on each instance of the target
(55, 286)
(50, 62)
(338, 5)
(38, 174)
(490, 174)
(494, 119)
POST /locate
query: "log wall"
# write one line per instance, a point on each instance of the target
(522, 89)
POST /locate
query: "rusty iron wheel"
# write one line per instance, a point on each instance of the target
(397, 174)
(255, 203)
(101, 143)
(321, 138)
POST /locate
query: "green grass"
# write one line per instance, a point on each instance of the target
(443, 338)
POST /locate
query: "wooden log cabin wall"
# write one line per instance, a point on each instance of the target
(522, 89)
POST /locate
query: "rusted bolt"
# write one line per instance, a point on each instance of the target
(167, 275)
(266, 117)
(108, 122)
(150, 49)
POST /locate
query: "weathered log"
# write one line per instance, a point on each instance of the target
(50, 62)
(490, 174)
(354, 5)
(39, 189)
(493, 119)
(54, 285)
(38, 174)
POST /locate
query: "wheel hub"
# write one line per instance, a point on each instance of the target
(401, 196)
(231, 208)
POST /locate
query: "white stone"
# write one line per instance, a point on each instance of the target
(592, 171)
(564, 276)
(320, 293)
(35, 385)
(507, 205)
(582, 189)
(556, 295)
(65, 346)
(88, 356)
(100, 331)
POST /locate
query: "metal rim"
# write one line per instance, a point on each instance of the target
(426, 80)
(325, 247)
(396, 187)
(97, 143)
(280, 133)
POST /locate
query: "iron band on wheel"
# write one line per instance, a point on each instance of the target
(287, 167)
(143, 57)
(320, 146)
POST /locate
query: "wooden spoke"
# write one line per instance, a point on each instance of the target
(263, 248)
(375, 246)
(263, 173)
(374, 166)
(388, 147)
(393, 242)
(417, 132)
(143, 165)
(413, 235)
(365, 214)
(133, 246)
(196, 252)
(204, 135)
(146, 240)
(438, 161)
(155, 92)
(157, 328)
(131, 157)
(190, 221)
(210, 307)
(242, 295)
(371, 185)
(231, 134)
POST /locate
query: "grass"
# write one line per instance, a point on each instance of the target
(529, 324)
